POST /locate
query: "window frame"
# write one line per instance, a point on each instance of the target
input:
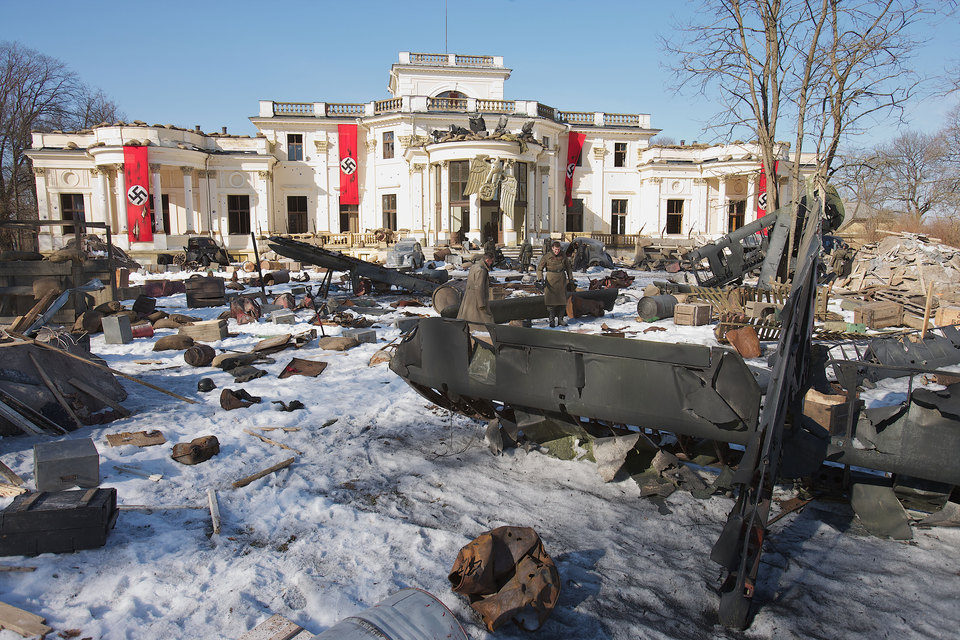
(234, 213)
(736, 214)
(294, 147)
(674, 216)
(619, 154)
(304, 214)
(68, 230)
(618, 219)
(389, 149)
(389, 213)
(574, 213)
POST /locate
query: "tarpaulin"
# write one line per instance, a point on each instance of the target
(349, 192)
(136, 178)
(574, 148)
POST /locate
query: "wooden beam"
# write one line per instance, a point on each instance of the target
(18, 420)
(242, 482)
(55, 391)
(214, 509)
(22, 323)
(10, 475)
(93, 393)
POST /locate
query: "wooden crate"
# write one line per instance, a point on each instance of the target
(829, 411)
(205, 292)
(947, 316)
(691, 314)
(208, 331)
(879, 315)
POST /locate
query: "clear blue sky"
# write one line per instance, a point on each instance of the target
(208, 63)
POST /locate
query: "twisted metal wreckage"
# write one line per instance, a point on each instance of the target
(546, 385)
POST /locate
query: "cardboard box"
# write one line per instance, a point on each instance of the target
(879, 314)
(691, 314)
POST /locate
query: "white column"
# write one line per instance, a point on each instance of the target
(720, 224)
(475, 234)
(121, 201)
(700, 219)
(211, 202)
(751, 213)
(188, 199)
(263, 203)
(509, 233)
(545, 202)
(155, 186)
(444, 200)
(45, 234)
(431, 189)
(322, 177)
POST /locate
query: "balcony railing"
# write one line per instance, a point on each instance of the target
(474, 61)
(496, 106)
(384, 106)
(546, 112)
(345, 109)
(429, 58)
(446, 104)
(575, 117)
(293, 108)
(628, 119)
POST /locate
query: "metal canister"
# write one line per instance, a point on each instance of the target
(652, 308)
(410, 614)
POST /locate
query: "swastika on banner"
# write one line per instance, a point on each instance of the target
(762, 201)
(348, 165)
(137, 195)
(570, 169)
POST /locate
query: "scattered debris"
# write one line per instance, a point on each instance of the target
(267, 440)
(301, 367)
(137, 471)
(507, 575)
(33, 523)
(265, 472)
(231, 399)
(138, 438)
(23, 622)
(196, 451)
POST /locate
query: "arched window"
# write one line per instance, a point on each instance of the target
(451, 94)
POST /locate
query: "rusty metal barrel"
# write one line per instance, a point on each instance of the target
(447, 294)
(656, 307)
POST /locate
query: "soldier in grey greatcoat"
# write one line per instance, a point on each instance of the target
(558, 274)
(526, 256)
(474, 307)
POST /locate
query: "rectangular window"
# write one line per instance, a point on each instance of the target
(71, 208)
(349, 218)
(238, 215)
(546, 142)
(619, 154)
(294, 146)
(165, 210)
(618, 216)
(459, 171)
(296, 214)
(735, 213)
(387, 145)
(674, 216)
(521, 176)
(575, 215)
(390, 211)
(580, 158)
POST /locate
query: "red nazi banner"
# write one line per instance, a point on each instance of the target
(349, 191)
(574, 149)
(136, 178)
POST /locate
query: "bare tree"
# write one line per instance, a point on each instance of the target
(821, 69)
(37, 93)
(916, 176)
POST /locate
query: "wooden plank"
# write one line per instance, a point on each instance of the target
(23, 322)
(276, 627)
(10, 475)
(23, 622)
(242, 482)
(138, 438)
(15, 568)
(8, 490)
(18, 420)
(55, 391)
(263, 438)
(93, 393)
(214, 509)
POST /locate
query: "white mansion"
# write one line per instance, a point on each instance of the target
(287, 179)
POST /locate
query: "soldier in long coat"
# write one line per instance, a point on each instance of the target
(558, 274)
(526, 256)
(474, 306)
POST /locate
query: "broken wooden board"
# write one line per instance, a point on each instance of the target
(23, 622)
(276, 627)
(138, 438)
(8, 490)
(301, 367)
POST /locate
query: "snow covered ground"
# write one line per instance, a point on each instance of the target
(385, 496)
